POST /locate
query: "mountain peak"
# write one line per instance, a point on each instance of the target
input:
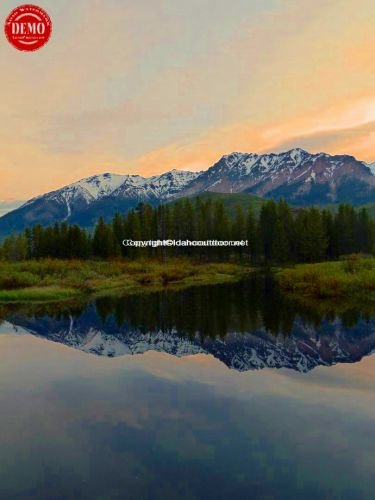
(298, 176)
(297, 150)
(298, 153)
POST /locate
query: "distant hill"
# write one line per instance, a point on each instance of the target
(371, 209)
(232, 200)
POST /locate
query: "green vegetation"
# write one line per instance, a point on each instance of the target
(53, 279)
(276, 234)
(46, 293)
(352, 276)
(230, 201)
(60, 261)
(370, 207)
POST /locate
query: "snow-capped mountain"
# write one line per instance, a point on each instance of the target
(84, 201)
(300, 177)
(97, 187)
(302, 350)
(296, 175)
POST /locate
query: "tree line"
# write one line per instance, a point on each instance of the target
(277, 234)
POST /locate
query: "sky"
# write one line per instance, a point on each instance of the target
(146, 86)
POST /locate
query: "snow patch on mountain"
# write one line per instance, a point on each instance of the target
(371, 166)
(101, 185)
(7, 328)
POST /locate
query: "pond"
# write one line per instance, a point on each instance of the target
(227, 391)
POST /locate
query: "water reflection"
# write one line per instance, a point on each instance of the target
(164, 428)
(246, 325)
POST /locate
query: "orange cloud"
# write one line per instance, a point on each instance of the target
(127, 91)
(346, 128)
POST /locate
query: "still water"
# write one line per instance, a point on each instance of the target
(215, 392)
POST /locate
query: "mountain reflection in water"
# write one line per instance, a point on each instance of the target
(247, 325)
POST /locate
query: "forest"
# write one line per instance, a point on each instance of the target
(278, 233)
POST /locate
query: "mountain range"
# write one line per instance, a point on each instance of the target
(302, 350)
(300, 177)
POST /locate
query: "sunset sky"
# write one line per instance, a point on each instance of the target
(146, 86)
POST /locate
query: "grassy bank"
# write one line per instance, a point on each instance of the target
(58, 279)
(352, 276)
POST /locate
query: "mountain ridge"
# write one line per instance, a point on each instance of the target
(301, 351)
(300, 177)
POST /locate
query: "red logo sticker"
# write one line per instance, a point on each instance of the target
(28, 27)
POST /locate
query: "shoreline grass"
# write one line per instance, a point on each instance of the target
(353, 276)
(55, 280)
(48, 293)
(52, 279)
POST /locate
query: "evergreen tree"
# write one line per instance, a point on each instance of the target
(221, 228)
(280, 246)
(311, 237)
(118, 234)
(345, 229)
(266, 226)
(251, 234)
(278, 235)
(103, 240)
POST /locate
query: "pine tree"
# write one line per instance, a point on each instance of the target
(103, 240)
(221, 228)
(253, 249)
(239, 229)
(266, 228)
(280, 246)
(311, 237)
(329, 229)
(118, 234)
(345, 224)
